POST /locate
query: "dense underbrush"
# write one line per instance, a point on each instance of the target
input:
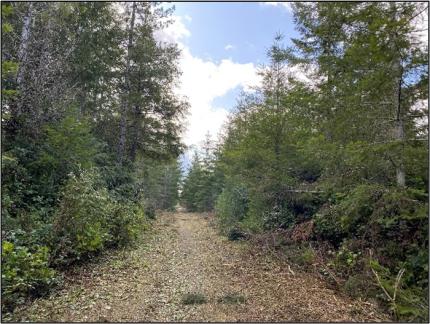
(87, 220)
(370, 242)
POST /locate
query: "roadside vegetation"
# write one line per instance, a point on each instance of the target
(324, 165)
(85, 159)
(327, 161)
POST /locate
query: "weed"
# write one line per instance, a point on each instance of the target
(232, 298)
(236, 234)
(192, 298)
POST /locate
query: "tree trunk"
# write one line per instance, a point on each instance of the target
(398, 130)
(22, 56)
(135, 133)
(125, 100)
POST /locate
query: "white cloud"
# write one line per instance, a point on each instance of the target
(202, 81)
(228, 47)
(420, 23)
(175, 32)
(285, 5)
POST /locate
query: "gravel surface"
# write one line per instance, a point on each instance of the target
(181, 255)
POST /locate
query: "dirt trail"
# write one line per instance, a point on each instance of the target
(186, 255)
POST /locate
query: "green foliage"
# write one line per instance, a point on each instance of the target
(160, 182)
(327, 225)
(235, 234)
(333, 150)
(301, 254)
(350, 214)
(24, 273)
(89, 219)
(81, 221)
(193, 298)
(307, 256)
(68, 146)
(66, 184)
(347, 262)
(358, 286)
(390, 221)
(205, 179)
(126, 222)
(329, 151)
(406, 302)
(231, 206)
(9, 69)
(232, 298)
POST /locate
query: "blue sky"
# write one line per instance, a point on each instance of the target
(248, 26)
(223, 44)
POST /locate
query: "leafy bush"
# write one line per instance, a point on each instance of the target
(327, 225)
(358, 285)
(350, 215)
(393, 223)
(125, 223)
(24, 273)
(307, 257)
(80, 223)
(68, 145)
(346, 261)
(236, 234)
(252, 223)
(150, 210)
(300, 254)
(406, 303)
(89, 219)
(278, 216)
(231, 206)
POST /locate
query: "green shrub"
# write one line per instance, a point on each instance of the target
(150, 210)
(81, 221)
(399, 230)
(358, 285)
(125, 223)
(231, 206)
(89, 219)
(236, 234)
(69, 145)
(278, 216)
(327, 225)
(24, 273)
(192, 298)
(231, 298)
(300, 254)
(346, 261)
(408, 303)
(252, 223)
(307, 256)
(350, 215)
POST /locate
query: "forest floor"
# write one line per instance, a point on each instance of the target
(183, 253)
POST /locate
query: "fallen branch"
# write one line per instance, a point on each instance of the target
(291, 271)
(380, 285)
(396, 286)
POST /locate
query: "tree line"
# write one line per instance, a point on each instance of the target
(90, 134)
(332, 151)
